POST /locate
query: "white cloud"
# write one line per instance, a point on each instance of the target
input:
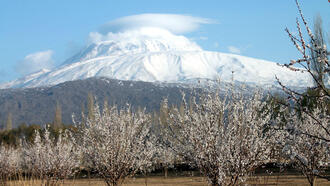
(95, 37)
(139, 36)
(149, 26)
(174, 23)
(234, 50)
(35, 62)
(144, 32)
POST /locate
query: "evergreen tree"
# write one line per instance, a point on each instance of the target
(58, 115)
(163, 112)
(106, 104)
(90, 106)
(181, 108)
(317, 52)
(83, 112)
(2, 127)
(9, 124)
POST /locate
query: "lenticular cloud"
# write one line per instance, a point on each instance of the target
(174, 23)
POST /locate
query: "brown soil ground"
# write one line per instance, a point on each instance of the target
(283, 180)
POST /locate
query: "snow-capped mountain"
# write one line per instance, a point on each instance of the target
(156, 55)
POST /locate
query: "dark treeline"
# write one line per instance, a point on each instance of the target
(39, 105)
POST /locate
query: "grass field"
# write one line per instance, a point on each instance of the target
(288, 180)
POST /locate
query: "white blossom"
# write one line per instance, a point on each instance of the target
(117, 144)
(310, 155)
(51, 159)
(9, 162)
(222, 136)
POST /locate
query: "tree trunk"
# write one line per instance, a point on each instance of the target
(311, 180)
(314, 182)
(165, 171)
(3, 181)
(108, 183)
(111, 182)
(114, 183)
(146, 181)
(214, 182)
(89, 177)
(235, 180)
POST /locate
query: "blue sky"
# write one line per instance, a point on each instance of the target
(60, 28)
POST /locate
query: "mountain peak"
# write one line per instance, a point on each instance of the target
(142, 40)
(156, 55)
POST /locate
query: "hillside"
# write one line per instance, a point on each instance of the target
(37, 105)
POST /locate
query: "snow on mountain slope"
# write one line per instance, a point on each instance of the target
(156, 55)
(143, 40)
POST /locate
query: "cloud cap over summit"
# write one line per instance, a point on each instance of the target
(175, 23)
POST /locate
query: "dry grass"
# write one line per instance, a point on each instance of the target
(283, 180)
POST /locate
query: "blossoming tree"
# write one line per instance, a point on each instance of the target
(116, 143)
(9, 163)
(51, 159)
(314, 61)
(310, 155)
(306, 134)
(223, 136)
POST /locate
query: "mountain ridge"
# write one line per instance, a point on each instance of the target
(156, 55)
(37, 105)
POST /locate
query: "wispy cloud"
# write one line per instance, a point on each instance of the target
(234, 50)
(149, 25)
(175, 23)
(35, 62)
